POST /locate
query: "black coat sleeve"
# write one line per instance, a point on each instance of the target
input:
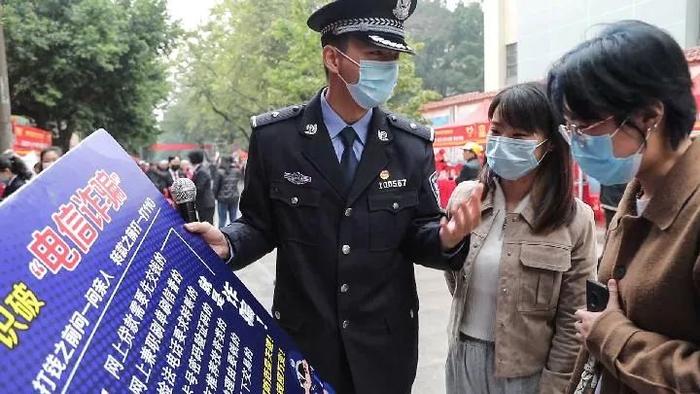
(422, 241)
(202, 180)
(217, 183)
(252, 236)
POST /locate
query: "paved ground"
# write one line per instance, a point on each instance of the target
(434, 311)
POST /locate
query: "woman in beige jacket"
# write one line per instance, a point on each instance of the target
(511, 325)
(626, 96)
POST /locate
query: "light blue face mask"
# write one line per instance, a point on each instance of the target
(510, 158)
(376, 84)
(596, 156)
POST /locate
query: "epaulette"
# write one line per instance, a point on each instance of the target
(425, 132)
(276, 116)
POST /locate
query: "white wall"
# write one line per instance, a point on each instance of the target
(549, 28)
(494, 44)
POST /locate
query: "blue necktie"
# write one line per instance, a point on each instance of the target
(348, 162)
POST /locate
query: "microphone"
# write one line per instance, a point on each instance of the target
(184, 194)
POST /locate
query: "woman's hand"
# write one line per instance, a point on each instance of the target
(464, 218)
(587, 319)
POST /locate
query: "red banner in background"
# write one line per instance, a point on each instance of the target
(29, 139)
(454, 136)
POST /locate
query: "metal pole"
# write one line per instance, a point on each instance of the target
(6, 137)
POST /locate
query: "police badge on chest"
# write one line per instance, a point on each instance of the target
(386, 182)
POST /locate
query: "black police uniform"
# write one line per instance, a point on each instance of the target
(345, 288)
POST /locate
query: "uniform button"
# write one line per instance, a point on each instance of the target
(344, 288)
(348, 212)
(412, 314)
(346, 323)
(509, 254)
(475, 246)
(413, 126)
(277, 315)
(619, 272)
(275, 114)
(396, 206)
(295, 200)
(505, 290)
(346, 249)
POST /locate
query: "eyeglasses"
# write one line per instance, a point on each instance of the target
(574, 131)
(571, 131)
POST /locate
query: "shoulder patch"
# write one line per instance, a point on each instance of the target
(415, 128)
(276, 116)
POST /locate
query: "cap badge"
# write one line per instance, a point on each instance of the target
(403, 9)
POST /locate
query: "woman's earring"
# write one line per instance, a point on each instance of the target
(654, 127)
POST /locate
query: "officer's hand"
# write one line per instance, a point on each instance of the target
(463, 220)
(212, 236)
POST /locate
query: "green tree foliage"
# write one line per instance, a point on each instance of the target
(452, 59)
(85, 64)
(253, 57)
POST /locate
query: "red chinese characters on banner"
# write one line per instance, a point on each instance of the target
(52, 252)
(108, 186)
(456, 136)
(92, 205)
(75, 226)
(80, 222)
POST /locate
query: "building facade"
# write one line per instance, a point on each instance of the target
(523, 38)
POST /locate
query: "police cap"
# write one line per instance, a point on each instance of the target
(377, 22)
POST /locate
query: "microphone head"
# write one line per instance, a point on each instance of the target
(183, 191)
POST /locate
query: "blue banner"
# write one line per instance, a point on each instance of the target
(103, 291)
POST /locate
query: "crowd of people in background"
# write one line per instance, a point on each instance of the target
(218, 182)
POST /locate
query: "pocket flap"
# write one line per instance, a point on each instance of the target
(546, 257)
(294, 195)
(393, 202)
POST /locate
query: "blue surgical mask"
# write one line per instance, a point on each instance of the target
(376, 84)
(512, 159)
(596, 156)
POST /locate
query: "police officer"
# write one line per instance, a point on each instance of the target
(347, 194)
